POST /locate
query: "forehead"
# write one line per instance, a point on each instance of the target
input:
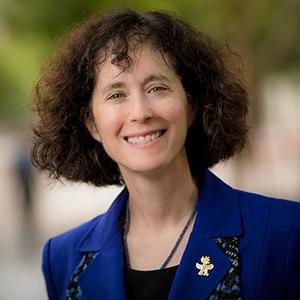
(141, 61)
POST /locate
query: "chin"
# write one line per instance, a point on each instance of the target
(144, 168)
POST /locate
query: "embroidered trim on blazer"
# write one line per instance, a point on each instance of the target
(229, 288)
(74, 292)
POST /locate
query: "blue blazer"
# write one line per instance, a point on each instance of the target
(87, 262)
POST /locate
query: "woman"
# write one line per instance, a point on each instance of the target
(145, 100)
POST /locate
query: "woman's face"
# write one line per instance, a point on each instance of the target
(141, 115)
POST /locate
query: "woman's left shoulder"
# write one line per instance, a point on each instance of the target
(258, 200)
(269, 246)
(272, 211)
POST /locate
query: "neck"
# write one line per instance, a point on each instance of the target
(167, 198)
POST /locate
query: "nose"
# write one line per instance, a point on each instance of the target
(140, 109)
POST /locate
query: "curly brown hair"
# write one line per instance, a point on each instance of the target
(62, 143)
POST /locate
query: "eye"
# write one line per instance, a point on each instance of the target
(156, 89)
(116, 96)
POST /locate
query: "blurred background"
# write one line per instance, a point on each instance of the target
(32, 209)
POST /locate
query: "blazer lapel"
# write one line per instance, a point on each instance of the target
(218, 216)
(103, 278)
(188, 284)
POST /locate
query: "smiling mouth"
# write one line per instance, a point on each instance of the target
(145, 139)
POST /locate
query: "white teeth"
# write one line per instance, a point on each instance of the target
(144, 139)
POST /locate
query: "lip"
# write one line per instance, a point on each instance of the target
(144, 133)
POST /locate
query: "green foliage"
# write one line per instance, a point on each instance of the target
(264, 32)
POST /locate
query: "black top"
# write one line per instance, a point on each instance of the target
(149, 285)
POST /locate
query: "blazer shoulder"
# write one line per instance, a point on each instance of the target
(73, 236)
(258, 201)
(270, 246)
(260, 213)
(60, 258)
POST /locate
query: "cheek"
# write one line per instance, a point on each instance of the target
(108, 123)
(177, 114)
(179, 108)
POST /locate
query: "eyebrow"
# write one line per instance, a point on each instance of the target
(154, 77)
(151, 77)
(115, 85)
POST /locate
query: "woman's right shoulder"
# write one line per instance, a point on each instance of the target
(89, 236)
(61, 256)
(71, 237)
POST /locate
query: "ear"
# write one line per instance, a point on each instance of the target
(193, 112)
(88, 120)
(91, 127)
(193, 116)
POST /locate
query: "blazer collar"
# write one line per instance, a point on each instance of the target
(103, 277)
(218, 214)
(218, 208)
(105, 227)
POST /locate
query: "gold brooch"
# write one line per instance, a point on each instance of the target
(205, 266)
